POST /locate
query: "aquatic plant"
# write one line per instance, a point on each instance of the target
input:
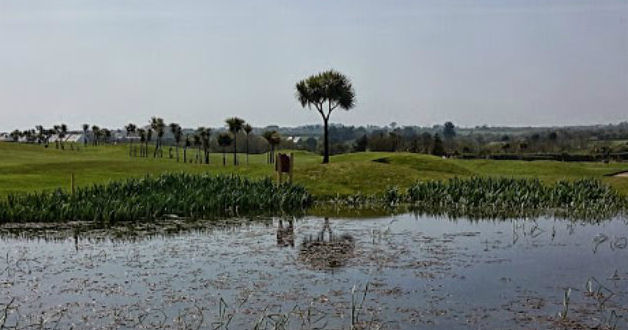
(563, 314)
(356, 305)
(174, 195)
(504, 197)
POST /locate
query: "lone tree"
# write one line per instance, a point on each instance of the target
(235, 125)
(325, 92)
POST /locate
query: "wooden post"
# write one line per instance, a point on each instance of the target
(291, 166)
(72, 183)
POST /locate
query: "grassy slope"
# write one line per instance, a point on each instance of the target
(31, 167)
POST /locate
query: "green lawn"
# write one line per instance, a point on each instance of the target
(32, 167)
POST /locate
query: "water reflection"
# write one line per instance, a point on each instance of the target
(422, 271)
(285, 235)
(326, 252)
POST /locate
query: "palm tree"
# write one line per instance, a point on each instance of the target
(130, 129)
(15, 135)
(331, 89)
(224, 140)
(28, 134)
(159, 126)
(95, 133)
(149, 137)
(85, 128)
(204, 134)
(273, 138)
(176, 131)
(185, 148)
(197, 144)
(40, 133)
(107, 133)
(56, 129)
(247, 129)
(48, 133)
(142, 133)
(63, 131)
(235, 126)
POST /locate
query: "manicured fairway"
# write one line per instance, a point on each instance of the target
(32, 167)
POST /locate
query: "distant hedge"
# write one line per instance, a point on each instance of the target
(565, 157)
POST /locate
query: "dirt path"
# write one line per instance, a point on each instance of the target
(622, 174)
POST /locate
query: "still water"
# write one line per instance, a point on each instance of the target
(393, 272)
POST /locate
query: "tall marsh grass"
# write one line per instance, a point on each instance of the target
(488, 197)
(169, 195)
(504, 197)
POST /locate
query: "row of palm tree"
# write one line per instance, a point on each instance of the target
(325, 92)
(200, 139)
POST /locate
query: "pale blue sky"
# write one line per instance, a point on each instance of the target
(502, 62)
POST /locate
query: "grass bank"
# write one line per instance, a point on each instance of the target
(29, 168)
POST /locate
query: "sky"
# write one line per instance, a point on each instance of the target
(502, 62)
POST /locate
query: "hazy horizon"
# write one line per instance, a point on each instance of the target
(514, 63)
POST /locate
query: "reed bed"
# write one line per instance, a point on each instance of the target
(174, 195)
(508, 197)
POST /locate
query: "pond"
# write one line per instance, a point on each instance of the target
(392, 272)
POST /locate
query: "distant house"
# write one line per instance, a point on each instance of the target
(68, 138)
(5, 137)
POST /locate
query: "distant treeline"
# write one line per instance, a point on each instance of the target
(569, 143)
(590, 143)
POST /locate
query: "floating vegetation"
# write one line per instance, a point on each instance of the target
(168, 196)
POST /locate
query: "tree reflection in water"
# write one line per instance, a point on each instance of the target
(285, 235)
(326, 252)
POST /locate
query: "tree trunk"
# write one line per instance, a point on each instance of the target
(177, 151)
(185, 154)
(326, 142)
(235, 147)
(224, 157)
(247, 150)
